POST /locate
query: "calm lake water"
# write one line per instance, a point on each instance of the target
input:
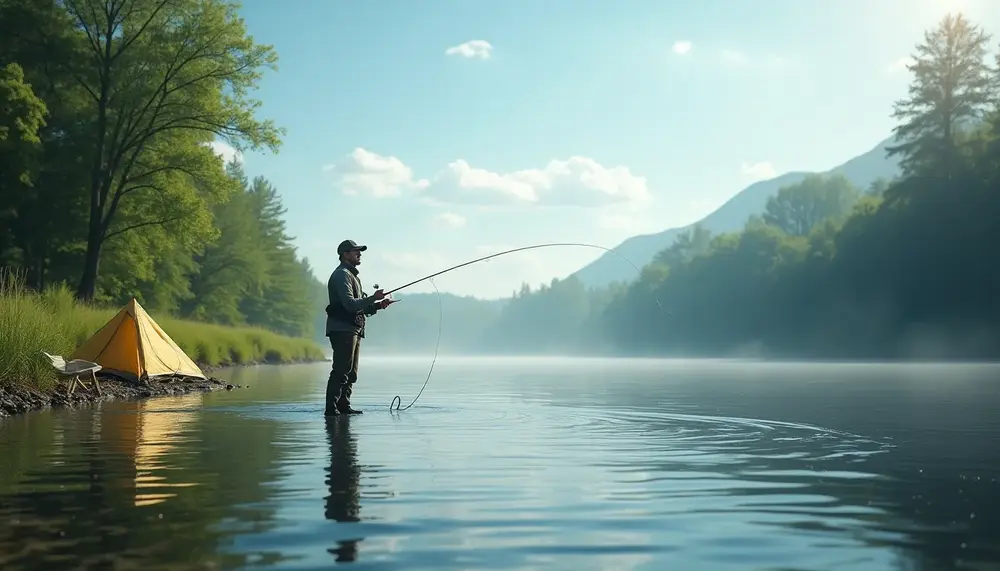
(521, 464)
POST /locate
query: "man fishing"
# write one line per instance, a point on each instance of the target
(345, 325)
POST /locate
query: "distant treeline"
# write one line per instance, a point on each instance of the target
(108, 180)
(906, 268)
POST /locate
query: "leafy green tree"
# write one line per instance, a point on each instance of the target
(798, 208)
(23, 112)
(46, 222)
(22, 115)
(163, 78)
(690, 243)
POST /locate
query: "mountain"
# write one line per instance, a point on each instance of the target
(731, 216)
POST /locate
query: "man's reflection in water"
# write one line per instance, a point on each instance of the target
(344, 502)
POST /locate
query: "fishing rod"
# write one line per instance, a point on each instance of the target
(396, 400)
(511, 251)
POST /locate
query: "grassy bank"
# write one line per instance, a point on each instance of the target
(54, 322)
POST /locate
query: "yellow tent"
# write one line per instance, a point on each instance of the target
(133, 345)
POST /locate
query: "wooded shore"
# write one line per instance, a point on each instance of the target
(54, 322)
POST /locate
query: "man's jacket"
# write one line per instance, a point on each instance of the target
(349, 305)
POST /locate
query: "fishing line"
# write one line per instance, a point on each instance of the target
(396, 400)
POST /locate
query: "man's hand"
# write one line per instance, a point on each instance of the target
(379, 295)
(385, 303)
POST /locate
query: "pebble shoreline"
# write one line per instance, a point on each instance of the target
(15, 400)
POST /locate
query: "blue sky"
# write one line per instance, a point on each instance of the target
(587, 121)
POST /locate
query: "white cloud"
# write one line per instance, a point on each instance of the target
(226, 151)
(576, 181)
(450, 219)
(899, 65)
(363, 171)
(758, 171)
(682, 47)
(461, 182)
(473, 49)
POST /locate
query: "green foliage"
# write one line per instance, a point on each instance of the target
(952, 85)
(22, 115)
(151, 83)
(55, 322)
(24, 112)
(109, 183)
(686, 246)
(798, 208)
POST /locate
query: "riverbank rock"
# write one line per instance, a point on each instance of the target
(19, 399)
(16, 399)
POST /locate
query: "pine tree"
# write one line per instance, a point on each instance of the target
(952, 87)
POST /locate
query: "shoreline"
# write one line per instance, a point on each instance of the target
(18, 399)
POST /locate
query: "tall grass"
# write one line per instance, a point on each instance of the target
(54, 322)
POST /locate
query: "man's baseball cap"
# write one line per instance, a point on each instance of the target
(349, 245)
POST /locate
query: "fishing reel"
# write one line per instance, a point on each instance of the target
(388, 296)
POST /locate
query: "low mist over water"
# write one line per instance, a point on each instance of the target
(521, 464)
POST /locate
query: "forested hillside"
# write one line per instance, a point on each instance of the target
(874, 167)
(109, 182)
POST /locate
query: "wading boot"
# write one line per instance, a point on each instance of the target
(344, 400)
(344, 406)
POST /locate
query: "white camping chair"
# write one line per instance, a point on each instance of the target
(75, 369)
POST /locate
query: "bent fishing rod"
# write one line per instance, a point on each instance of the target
(511, 251)
(396, 400)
